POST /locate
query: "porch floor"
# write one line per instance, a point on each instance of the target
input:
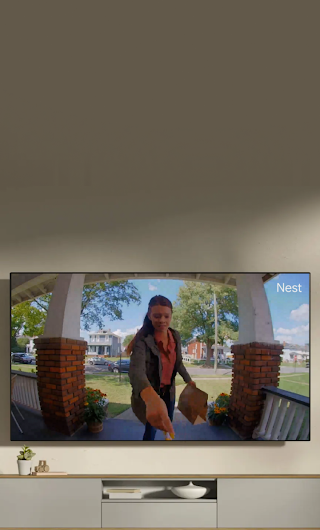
(116, 429)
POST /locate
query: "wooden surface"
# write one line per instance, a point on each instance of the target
(182, 477)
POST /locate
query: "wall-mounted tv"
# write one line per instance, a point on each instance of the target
(162, 357)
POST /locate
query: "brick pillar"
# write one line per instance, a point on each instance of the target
(61, 382)
(255, 365)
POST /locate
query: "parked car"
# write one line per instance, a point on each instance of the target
(115, 367)
(99, 360)
(23, 358)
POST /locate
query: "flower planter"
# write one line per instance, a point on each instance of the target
(95, 409)
(95, 426)
(25, 467)
(216, 422)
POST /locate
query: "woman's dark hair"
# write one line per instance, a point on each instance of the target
(147, 326)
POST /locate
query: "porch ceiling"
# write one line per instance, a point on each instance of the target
(27, 286)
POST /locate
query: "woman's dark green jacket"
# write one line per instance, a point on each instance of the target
(146, 369)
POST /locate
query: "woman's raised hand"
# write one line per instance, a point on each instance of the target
(156, 410)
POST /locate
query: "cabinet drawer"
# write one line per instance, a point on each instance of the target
(159, 514)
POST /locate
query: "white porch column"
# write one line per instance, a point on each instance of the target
(255, 323)
(64, 311)
(257, 356)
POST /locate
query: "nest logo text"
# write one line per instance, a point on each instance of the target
(289, 288)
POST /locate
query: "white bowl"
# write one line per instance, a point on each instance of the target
(190, 492)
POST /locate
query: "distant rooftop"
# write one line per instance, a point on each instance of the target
(103, 332)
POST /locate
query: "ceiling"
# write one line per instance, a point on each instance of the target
(28, 286)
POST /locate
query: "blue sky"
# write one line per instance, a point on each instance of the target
(289, 310)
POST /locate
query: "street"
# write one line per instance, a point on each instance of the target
(96, 369)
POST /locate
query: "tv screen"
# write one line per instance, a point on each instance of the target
(160, 357)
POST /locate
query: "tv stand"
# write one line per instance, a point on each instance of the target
(80, 501)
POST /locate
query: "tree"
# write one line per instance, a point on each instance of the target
(19, 344)
(193, 314)
(127, 339)
(98, 300)
(23, 341)
(14, 345)
(27, 318)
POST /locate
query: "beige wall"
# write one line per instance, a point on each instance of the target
(219, 114)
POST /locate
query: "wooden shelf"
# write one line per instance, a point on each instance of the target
(163, 499)
(183, 477)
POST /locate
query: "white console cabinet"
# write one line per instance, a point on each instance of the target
(83, 502)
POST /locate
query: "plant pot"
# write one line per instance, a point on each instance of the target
(216, 422)
(95, 426)
(25, 467)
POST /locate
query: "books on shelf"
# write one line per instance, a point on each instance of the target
(124, 493)
(122, 490)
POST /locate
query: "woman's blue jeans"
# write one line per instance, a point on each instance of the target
(150, 432)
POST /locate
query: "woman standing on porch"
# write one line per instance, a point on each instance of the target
(155, 360)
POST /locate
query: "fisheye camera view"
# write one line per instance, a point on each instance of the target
(161, 357)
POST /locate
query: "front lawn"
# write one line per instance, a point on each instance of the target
(297, 383)
(293, 364)
(118, 392)
(212, 387)
(199, 364)
(30, 368)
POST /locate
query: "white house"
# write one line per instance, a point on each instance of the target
(227, 352)
(30, 347)
(104, 342)
(289, 355)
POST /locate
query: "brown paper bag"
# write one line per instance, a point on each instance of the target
(193, 404)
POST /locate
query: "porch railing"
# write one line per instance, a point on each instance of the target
(283, 416)
(25, 389)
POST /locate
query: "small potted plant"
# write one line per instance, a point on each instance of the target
(25, 460)
(218, 410)
(95, 410)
